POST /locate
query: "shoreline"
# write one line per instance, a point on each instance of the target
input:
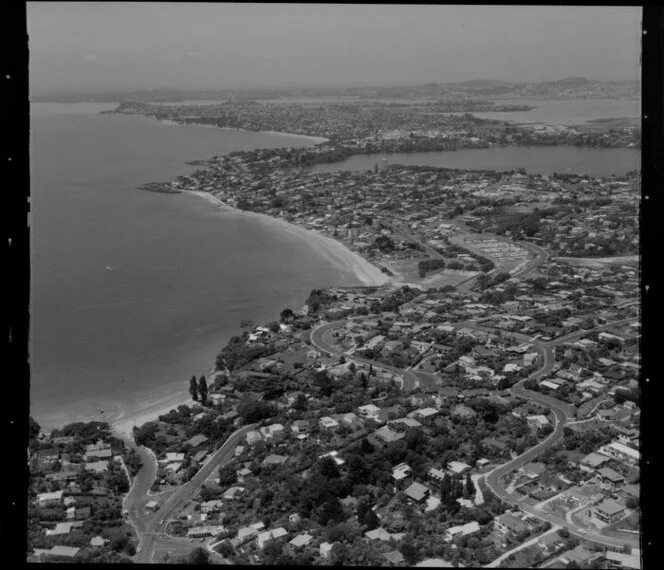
(122, 419)
(314, 140)
(368, 274)
(123, 425)
(364, 270)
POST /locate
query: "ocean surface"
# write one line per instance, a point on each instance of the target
(535, 159)
(132, 292)
(574, 112)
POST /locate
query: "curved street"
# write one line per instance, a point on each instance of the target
(151, 527)
(562, 413)
(409, 379)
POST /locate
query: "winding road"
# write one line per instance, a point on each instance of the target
(562, 412)
(151, 527)
(408, 378)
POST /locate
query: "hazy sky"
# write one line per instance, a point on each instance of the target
(144, 45)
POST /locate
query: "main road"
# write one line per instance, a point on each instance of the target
(151, 527)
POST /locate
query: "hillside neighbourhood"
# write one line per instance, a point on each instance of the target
(479, 408)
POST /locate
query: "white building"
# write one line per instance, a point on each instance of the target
(264, 538)
(461, 530)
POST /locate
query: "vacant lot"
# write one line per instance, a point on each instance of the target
(524, 558)
(428, 378)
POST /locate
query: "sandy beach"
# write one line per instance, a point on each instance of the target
(332, 249)
(307, 139)
(150, 408)
(124, 423)
(312, 139)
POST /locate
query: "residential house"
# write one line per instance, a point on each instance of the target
(538, 421)
(98, 541)
(386, 435)
(326, 423)
(49, 499)
(533, 470)
(232, 493)
(550, 542)
(212, 506)
(609, 476)
(173, 458)
(196, 441)
(300, 542)
(378, 534)
(401, 472)
(580, 556)
(622, 560)
(351, 420)
(96, 466)
(404, 423)
(247, 532)
(460, 410)
(593, 461)
(435, 476)
(461, 530)
(242, 474)
(369, 411)
(93, 454)
(334, 455)
(273, 431)
(60, 553)
(609, 511)
(269, 536)
(458, 467)
(200, 456)
(253, 437)
(325, 550)
(216, 399)
(300, 426)
(423, 413)
(621, 451)
(509, 524)
(417, 492)
(204, 531)
(60, 528)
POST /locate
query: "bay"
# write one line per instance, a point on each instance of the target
(568, 113)
(133, 292)
(535, 159)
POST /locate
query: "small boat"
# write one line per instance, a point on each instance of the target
(109, 268)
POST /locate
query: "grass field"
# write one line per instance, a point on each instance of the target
(427, 378)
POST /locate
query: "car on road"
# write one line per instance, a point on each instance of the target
(190, 540)
(582, 530)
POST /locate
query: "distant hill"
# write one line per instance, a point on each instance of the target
(568, 88)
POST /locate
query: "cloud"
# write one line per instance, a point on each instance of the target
(89, 57)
